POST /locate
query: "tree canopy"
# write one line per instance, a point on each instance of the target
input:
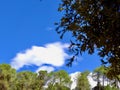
(59, 80)
(82, 81)
(95, 25)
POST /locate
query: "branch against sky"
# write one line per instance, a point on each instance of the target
(94, 25)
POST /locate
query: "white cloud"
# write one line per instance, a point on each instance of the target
(52, 53)
(46, 68)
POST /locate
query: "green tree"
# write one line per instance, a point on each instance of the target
(82, 81)
(42, 79)
(3, 85)
(95, 26)
(101, 72)
(63, 78)
(59, 80)
(26, 80)
(7, 76)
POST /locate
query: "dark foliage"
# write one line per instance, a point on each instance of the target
(94, 24)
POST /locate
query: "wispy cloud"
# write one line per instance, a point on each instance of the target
(52, 53)
(50, 28)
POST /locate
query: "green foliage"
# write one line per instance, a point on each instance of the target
(59, 80)
(108, 87)
(102, 72)
(7, 72)
(25, 80)
(42, 79)
(99, 72)
(57, 87)
(7, 76)
(63, 77)
(82, 81)
(94, 25)
(3, 85)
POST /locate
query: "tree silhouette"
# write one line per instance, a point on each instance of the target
(94, 25)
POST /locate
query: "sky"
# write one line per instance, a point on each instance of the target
(28, 40)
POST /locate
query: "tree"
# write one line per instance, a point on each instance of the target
(82, 81)
(94, 25)
(26, 81)
(99, 73)
(3, 86)
(42, 79)
(63, 78)
(59, 80)
(7, 76)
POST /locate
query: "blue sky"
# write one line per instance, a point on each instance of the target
(28, 40)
